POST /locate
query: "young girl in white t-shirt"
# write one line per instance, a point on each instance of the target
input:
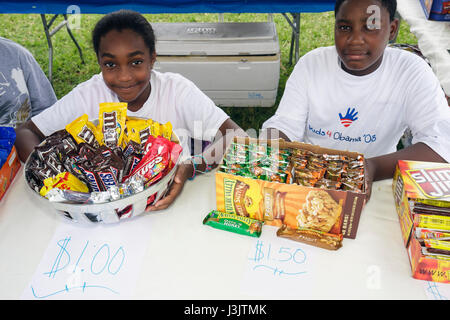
(124, 43)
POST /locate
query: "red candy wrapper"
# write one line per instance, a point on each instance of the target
(160, 156)
(174, 154)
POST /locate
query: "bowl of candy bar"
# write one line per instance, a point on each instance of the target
(105, 170)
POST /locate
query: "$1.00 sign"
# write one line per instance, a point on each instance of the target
(89, 263)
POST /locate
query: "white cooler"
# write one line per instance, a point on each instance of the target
(235, 64)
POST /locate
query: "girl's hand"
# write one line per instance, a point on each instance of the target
(184, 171)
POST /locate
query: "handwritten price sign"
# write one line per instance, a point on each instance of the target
(93, 260)
(278, 260)
(278, 267)
(100, 263)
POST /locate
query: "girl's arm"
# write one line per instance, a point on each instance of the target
(213, 155)
(27, 137)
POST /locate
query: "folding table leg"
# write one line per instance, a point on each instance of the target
(295, 38)
(50, 46)
(49, 33)
(73, 39)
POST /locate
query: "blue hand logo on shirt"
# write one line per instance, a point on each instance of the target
(349, 117)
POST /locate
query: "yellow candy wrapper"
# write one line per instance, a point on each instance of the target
(64, 181)
(166, 130)
(82, 130)
(155, 129)
(138, 130)
(111, 122)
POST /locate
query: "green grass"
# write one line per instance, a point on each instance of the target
(27, 29)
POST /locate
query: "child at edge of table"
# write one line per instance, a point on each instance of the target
(124, 43)
(360, 96)
(25, 90)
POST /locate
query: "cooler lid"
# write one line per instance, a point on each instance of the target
(221, 38)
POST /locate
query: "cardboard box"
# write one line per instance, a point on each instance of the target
(422, 181)
(278, 203)
(9, 171)
(438, 10)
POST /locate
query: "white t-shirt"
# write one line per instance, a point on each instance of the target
(173, 98)
(324, 105)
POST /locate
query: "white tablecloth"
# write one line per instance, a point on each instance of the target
(185, 259)
(433, 39)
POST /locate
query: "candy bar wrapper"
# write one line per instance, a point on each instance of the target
(112, 118)
(137, 130)
(92, 178)
(155, 129)
(435, 253)
(154, 162)
(432, 221)
(77, 197)
(163, 130)
(131, 164)
(166, 130)
(66, 181)
(175, 152)
(233, 223)
(422, 233)
(82, 130)
(313, 237)
(438, 246)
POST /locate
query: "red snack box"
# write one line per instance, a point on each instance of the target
(9, 171)
(438, 10)
(422, 182)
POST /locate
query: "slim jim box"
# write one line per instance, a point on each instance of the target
(9, 171)
(273, 195)
(422, 199)
(438, 10)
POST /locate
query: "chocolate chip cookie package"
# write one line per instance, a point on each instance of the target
(304, 186)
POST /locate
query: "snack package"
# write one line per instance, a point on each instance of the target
(155, 129)
(155, 161)
(138, 130)
(82, 130)
(64, 181)
(112, 118)
(7, 139)
(166, 130)
(313, 237)
(233, 223)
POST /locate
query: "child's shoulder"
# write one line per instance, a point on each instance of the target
(13, 49)
(318, 60)
(403, 58)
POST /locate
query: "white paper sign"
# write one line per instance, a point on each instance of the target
(100, 262)
(437, 290)
(278, 265)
